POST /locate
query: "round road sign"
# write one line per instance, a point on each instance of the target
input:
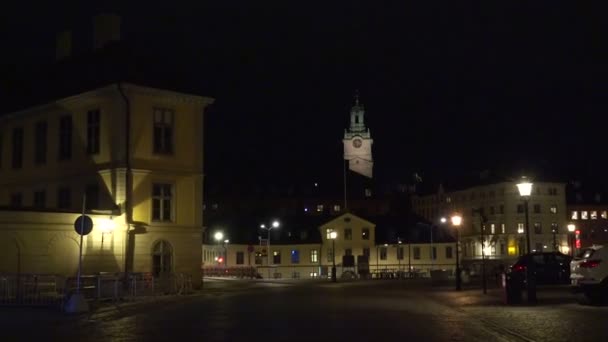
(83, 225)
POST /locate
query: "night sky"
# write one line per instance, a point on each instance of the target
(448, 89)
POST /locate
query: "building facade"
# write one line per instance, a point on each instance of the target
(590, 223)
(496, 212)
(355, 237)
(130, 156)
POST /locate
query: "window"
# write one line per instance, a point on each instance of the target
(240, 258)
(295, 256)
(554, 228)
(502, 228)
(314, 256)
(492, 228)
(603, 214)
(336, 207)
(520, 208)
(553, 191)
(93, 131)
(162, 196)
(39, 199)
(366, 252)
(416, 253)
(584, 215)
(163, 131)
(276, 257)
(64, 198)
(17, 148)
(162, 258)
(502, 249)
(537, 208)
(65, 137)
(348, 234)
(92, 196)
(520, 228)
(491, 210)
(365, 234)
(399, 253)
(348, 251)
(41, 142)
(16, 200)
(574, 215)
(382, 253)
(330, 254)
(448, 252)
(320, 208)
(433, 253)
(258, 258)
(537, 228)
(368, 192)
(328, 233)
(553, 209)
(593, 215)
(502, 209)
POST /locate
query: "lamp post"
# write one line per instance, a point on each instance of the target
(456, 222)
(218, 236)
(333, 235)
(525, 190)
(571, 229)
(226, 252)
(274, 225)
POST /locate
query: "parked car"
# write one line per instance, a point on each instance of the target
(589, 273)
(551, 268)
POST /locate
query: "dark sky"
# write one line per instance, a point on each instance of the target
(449, 88)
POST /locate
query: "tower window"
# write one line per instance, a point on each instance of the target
(163, 131)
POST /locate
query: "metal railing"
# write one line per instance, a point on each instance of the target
(54, 290)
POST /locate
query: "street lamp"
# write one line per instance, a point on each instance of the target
(456, 222)
(333, 235)
(219, 236)
(571, 229)
(274, 225)
(525, 190)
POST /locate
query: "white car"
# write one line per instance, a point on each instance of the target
(589, 273)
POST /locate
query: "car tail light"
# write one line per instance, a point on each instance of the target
(518, 268)
(590, 263)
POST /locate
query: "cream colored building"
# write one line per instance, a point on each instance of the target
(355, 236)
(501, 204)
(137, 154)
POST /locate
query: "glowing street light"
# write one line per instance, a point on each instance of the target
(443, 220)
(456, 222)
(218, 236)
(274, 225)
(571, 229)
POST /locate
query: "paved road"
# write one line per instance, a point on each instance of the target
(278, 311)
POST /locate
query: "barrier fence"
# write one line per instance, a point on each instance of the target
(54, 290)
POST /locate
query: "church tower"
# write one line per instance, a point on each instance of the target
(358, 142)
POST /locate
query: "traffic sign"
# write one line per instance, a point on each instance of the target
(83, 225)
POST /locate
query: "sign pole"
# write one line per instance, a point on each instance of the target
(84, 203)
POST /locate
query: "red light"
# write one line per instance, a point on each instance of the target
(518, 268)
(577, 232)
(578, 243)
(590, 263)
(220, 260)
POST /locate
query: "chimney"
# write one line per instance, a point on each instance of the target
(106, 29)
(63, 45)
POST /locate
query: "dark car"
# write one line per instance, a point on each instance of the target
(551, 268)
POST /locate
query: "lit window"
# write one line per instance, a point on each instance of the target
(593, 215)
(448, 200)
(492, 229)
(314, 274)
(502, 228)
(320, 207)
(554, 228)
(584, 215)
(604, 216)
(295, 256)
(314, 255)
(553, 209)
(336, 207)
(276, 257)
(574, 215)
(328, 233)
(365, 234)
(520, 228)
(368, 192)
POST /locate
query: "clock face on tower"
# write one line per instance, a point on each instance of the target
(357, 143)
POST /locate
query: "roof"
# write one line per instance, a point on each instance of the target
(117, 62)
